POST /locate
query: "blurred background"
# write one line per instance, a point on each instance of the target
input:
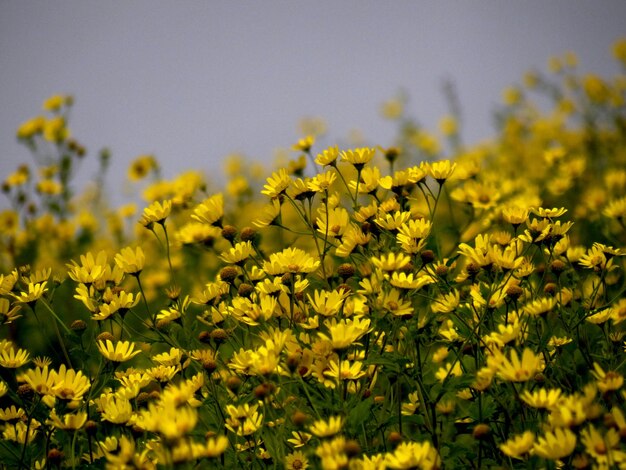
(192, 82)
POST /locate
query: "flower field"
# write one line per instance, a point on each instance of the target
(424, 305)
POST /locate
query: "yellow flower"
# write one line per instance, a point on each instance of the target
(441, 170)
(239, 253)
(277, 184)
(31, 127)
(344, 333)
(115, 409)
(296, 461)
(90, 270)
(70, 421)
(518, 445)
(56, 102)
(49, 187)
(327, 428)
(121, 351)
(555, 445)
(328, 157)
(304, 144)
(35, 292)
(12, 359)
(446, 303)
(290, 260)
(539, 306)
(334, 222)
(322, 181)
(69, 384)
(141, 166)
(327, 303)
(607, 381)
(344, 370)
(131, 261)
(413, 455)
(391, 261)
(516, 369)
(40, 379)
(156, 212)
(410, 281)
(541, 398)
(210, 211)
(619, 50)
(55, 130)
(359, 156)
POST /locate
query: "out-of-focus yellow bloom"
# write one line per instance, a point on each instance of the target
(619, 50)
(141, 166)
(555, 445)
(327, 428)
(30, 128)
(55, 130)
(56, 102)
(518, 445)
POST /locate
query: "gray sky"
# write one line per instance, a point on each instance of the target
(194, 81)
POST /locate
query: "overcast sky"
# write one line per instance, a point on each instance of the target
(193, 81)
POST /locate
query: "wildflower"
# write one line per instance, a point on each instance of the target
(304, 144)
(34, 293)
(210, 211)
(327, 303)
(131, 261)
(332, 222)
(344, 333)
(243, 420)
(156, 213)
(215, 446)
(555, 445)
(30, 128)
(441, 170)
(446, 303)
(368, 181)
(539, 306)
(358, 157)
(269, 215)
(296, 461)
(277, 184)
(70, 421)
(239, 253)
(55, 102)
(290, 260)
(549, 213)
(40, 379)
(518, 445)
(413, 455)
(607, 381)
(12, 359)
(8, 313)
(122, 351)
(392, 302)
(69, 384)
(141, 166)
(391, 261)
(328, 157)
(115, 409)
(344, 370)
(516, 369)
(541, 398)
(327, 428)
(410, 281)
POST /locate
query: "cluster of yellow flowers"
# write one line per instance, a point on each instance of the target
(361, 308)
